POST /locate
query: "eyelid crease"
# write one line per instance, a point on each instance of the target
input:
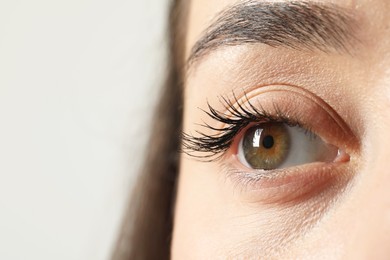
(307, 94)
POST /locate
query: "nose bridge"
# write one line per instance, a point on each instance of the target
(368, 218)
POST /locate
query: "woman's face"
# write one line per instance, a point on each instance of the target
(293, 158)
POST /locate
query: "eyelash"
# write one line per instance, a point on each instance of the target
(213, 146)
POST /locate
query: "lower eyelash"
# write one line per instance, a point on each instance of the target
(210, 147)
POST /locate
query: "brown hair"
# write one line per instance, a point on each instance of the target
(147, 227)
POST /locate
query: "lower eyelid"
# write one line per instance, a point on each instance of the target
(289, 185)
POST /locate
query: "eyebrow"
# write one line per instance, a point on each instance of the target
(296, 25)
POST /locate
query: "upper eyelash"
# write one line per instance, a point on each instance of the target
(236, 119)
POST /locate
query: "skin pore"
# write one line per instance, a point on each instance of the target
(326, 69)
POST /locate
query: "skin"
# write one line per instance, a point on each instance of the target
(342, 214)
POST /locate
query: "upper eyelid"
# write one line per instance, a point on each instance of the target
(211, 144)
(306, 93)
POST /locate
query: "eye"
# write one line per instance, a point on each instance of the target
(272, 146)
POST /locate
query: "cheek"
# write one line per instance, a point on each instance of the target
(213, 219)
(200, 207)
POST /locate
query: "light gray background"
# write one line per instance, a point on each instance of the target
(78, 80)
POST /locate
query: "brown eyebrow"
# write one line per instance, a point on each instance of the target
(296, 25)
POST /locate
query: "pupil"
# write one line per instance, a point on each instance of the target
(268, 142)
